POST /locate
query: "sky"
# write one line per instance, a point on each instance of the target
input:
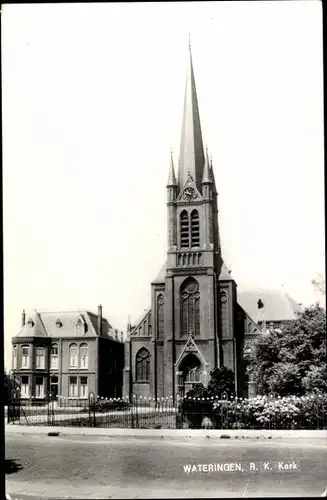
(92, 98)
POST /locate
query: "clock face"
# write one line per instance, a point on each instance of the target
(189, 193)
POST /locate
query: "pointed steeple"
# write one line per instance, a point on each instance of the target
(191, 159)
(212, 175)
(171, 177)
(207, 177)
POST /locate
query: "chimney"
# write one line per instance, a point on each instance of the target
(122, 336)
(23, 317)
(116, 334)
(100, 320)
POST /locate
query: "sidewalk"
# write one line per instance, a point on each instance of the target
(11, 429)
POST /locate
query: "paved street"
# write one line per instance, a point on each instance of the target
(126, 467)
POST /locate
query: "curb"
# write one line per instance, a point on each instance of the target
(165, 433)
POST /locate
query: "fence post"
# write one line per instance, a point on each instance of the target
(91, 408)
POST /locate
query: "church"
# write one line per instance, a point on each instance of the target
(195, 322)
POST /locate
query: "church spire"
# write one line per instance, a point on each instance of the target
(191, 159)
(171, 177)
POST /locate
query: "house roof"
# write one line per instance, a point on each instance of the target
(44, 324)
(278, 305)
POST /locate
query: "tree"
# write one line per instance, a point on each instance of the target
(9, 383)
(292, 360)
(222, 381)
(320, 284)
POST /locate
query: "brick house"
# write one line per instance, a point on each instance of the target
(68, 353)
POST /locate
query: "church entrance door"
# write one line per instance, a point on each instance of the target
(188, 374)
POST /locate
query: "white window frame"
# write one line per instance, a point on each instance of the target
(75, 386)
(54, 358)
(71, 365)
(24, 388)
(14, 363)
(39, 358)
(84, 359)
(39, 393)
(25, 358)
(83, 388)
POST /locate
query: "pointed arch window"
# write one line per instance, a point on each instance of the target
(195, 229)
(185, 229)
(224, 311)
(160, 316)
(190, 308)
(143, 365)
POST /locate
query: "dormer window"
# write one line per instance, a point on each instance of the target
(79, 327)
(58, 323)
(30, 323)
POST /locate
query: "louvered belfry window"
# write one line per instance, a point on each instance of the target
(185, 229)
(195, 229)
(190, 307)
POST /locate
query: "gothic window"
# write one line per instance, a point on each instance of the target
(185, 239)
(143, 365)
(224, 311)
(190, 308)
(195, 229)
(160, 316)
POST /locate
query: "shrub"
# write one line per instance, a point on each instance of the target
(196, 405)
(106, 405)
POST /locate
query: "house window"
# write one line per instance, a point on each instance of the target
(73, 361)
(14, 365)
(25, 356)
(39, 357)
(83, 358)
(190, 307)
(160, 316)
(54, 357)
(185, 240)
(24, 389)
(143, 365)
(83, 389)
(39, 387)
(73, 387)
(195, 229)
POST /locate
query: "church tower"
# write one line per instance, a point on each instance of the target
(193, 316)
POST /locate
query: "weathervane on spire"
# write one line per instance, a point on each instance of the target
(189, 40)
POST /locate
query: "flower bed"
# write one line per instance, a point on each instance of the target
(262, 412)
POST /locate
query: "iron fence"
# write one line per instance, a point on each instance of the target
(267, 412)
